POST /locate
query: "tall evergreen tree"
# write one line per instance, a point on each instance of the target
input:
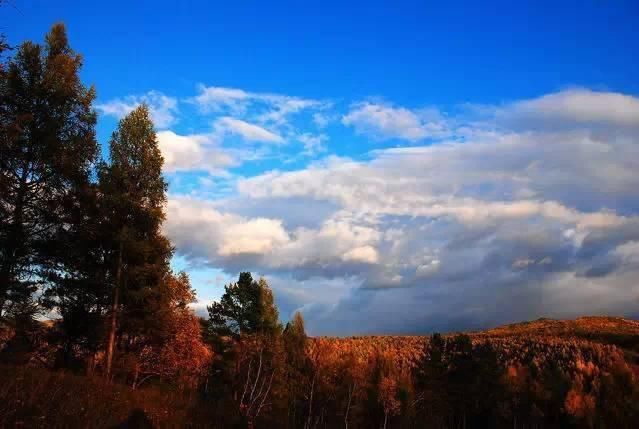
(245, 334)
(246, 307)
(79, 291)
(298, 369)
(430, 382)
(134, 194)
(294, 338)
(47, 150)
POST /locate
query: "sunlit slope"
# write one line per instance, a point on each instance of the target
(620, 332)
(608, 330)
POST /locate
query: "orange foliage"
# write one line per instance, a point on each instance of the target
(184, 356)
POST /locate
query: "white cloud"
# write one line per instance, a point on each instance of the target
(576, 107)
(509, 224)
(366, 254)
(629, 253)
(474, 180)
(197, 227)
(267, 108)
(500, 210)
(284, 106)
(313, 144)
(428, 269)
(217, 98)
(383, 121)
(196, 152)
(522, 263)
(253, 236)
(247, 131)
(163, 109)
(321, 120)
(265, 117)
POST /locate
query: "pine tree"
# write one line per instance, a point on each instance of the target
(79, 290)
(246, 307)
(246, 336)
(47, 150)
(294, 338)
(430, 381)
(298, 368)
(134, 194)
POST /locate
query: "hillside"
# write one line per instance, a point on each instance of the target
(562, 373)
(590, 327)
(604, 329)
(623, 333)
(406, 350)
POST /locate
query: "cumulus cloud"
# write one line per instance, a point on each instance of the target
(509, 223)
(202, 231)
(581, 106)
(575, 108)
(366, 254)
(382, 121)
(163, 109)
(195, 152)
(247, 131)
(509, 174)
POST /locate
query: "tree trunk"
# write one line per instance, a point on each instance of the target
(114, 315)
(136, 374)
(15, 240)
(4, 287)
(351, 390)
(310, 403)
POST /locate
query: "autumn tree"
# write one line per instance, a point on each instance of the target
(618, 395)
(381, 401)
(47, 150)
(298, 371)
(180, 353)
(388, 397)
(133, 193)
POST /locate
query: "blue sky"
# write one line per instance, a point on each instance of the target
(388, 166)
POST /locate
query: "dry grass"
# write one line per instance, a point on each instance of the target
(38, 398)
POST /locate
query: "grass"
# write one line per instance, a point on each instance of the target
(39, 398)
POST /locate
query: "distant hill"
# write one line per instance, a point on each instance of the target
(621, 332)
(406, 350)
(580, 327)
